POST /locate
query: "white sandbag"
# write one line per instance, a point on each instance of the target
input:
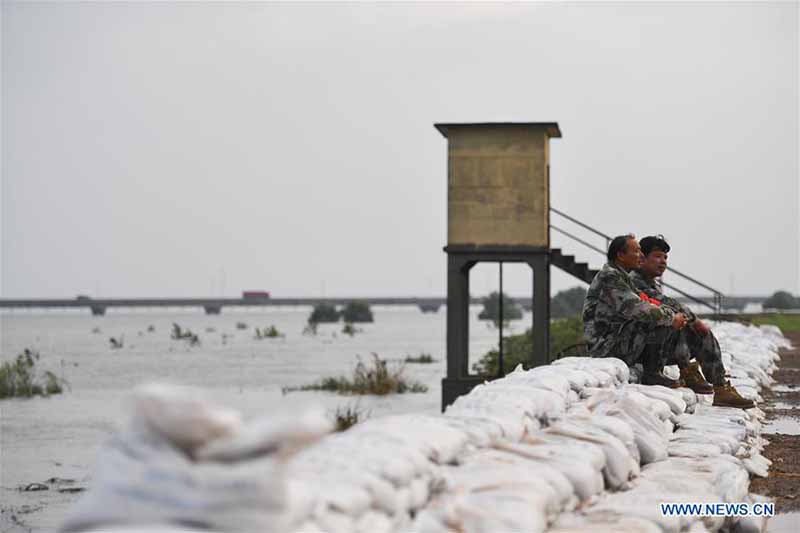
(602, 522)
(489, 511)
(580, 462)
(437, 440)
(481, 432)
(146, 474)
(141, 478)
(510, 414)
(650, 433)
(373, 522)
(563, 495)
(672, 397)
(619, 468)
(183, 415)
(280, 433)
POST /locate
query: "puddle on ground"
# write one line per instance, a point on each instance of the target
(784, 523)
(784, 405)
(785, 388)
(782, 424)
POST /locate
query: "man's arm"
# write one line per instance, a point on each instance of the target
(626, 304)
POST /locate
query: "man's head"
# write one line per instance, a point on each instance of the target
(655, 250)
(625, 252)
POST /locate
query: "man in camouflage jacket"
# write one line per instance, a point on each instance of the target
(697, 339)
(618, 323)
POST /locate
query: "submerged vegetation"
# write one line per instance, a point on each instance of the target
(423, 358)
(323, 313)
(115, 343)
(518, 349)
(19, 378)
(357, 311)
(366, 379)
(178, 333)
(350, 329)
(268, 333)
(348, 416)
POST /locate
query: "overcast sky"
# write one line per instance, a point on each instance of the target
(177, 149)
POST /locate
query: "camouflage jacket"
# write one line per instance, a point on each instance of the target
(653, 289)
(613, 311)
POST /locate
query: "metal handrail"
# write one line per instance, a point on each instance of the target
(581, 224)
(717, 306)
(573, 237)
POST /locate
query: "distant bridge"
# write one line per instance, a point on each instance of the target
(213, 306)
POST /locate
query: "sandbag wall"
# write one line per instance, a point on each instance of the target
(568, 447)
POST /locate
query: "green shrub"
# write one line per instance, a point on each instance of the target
(781, 300)
(518, 349)
(423, 358)
(357, 312)
(491, 309)
(323, 313)
(18, 378)
(375, 379)
(567, 303)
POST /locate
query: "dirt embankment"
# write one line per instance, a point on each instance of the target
(783, 402)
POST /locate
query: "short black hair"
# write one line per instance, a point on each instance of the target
(653, 243)
(618, 244)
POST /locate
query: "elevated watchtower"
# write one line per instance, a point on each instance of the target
(498, 210)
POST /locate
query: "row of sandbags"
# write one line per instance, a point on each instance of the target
(407, 463)
(711, 452)
(558, 447)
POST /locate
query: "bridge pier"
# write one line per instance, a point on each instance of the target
(212, 309)
(98, 310)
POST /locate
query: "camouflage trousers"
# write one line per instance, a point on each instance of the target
(665, 346)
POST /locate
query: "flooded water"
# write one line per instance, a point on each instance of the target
(783, 424)
(43, 438)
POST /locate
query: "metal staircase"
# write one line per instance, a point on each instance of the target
(568, 264)
(583, 272)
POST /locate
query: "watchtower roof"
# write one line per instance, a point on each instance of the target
(551, 127)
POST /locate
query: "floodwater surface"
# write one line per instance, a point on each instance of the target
(59, 436)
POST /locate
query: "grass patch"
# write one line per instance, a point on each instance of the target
(349, 416)
(19, 379)
(518, 349)
(422, 359)
(374, 379)
(788, 323)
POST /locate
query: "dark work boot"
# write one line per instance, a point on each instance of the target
(657, 378)
(694, 379)
(727, 396)
(653, 365)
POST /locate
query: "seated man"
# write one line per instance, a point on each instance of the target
(618, 323)
(697, 339)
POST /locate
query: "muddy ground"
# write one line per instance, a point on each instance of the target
(783, 483)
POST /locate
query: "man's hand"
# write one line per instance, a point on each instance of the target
(679, 321)
(701, 328)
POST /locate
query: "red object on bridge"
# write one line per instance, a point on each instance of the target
(255, 295)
